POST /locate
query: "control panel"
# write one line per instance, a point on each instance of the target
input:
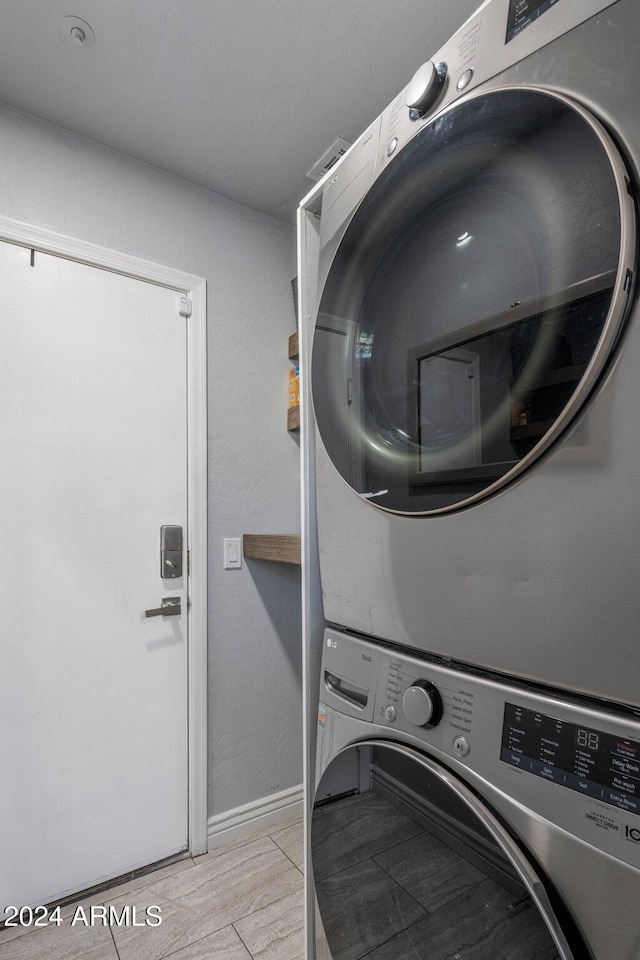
(410, 698)
(574, 765)
(588, 761)
(497, 36)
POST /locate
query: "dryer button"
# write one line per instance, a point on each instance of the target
(390, 713)
(461, 747)
(464, 80)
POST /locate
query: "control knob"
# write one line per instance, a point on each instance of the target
(425, 88)
(422, 704)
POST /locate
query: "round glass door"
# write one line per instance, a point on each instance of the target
(473, 301)
(416, 868)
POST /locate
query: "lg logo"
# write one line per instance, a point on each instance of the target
(332, 643)
(632, 834)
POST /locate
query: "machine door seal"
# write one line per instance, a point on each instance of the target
(418, 867)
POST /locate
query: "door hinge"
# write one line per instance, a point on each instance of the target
(188, 563)
(185, 307)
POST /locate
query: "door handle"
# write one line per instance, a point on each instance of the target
(170, 607)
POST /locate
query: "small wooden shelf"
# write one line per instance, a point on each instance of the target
(527, 430)
(283, 548)
(293, 413)
(293, 418)
(552, 379)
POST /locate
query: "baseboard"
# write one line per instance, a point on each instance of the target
(254, 816)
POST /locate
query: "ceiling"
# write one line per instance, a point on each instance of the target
(239, 96)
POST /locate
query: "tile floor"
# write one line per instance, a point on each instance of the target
(243, 900)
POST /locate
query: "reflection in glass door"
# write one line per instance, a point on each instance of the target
(407, 870)
(449, 411)
(503, 230)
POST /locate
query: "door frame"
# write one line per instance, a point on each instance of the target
(185, 284)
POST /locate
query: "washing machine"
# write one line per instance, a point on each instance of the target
(484, 819)
(476, 351)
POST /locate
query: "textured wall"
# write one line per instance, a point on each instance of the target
(53, 179)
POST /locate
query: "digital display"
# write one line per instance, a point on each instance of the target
(522, 13)
(588, 739)
(588, 761)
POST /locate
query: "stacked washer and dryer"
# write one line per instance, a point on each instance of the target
(475, 379)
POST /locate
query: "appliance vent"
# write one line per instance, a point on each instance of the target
(328, 159)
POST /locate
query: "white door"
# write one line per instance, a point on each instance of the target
(93, 695)
(449, 411)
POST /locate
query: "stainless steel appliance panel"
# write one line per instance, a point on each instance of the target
(540, 581)
(586, 849)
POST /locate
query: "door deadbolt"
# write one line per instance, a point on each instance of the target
(170, 552)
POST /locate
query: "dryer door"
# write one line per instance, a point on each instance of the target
(418, 868)
(473, 302)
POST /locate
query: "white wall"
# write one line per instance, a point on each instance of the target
(53, 179)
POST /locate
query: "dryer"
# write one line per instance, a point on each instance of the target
(475, 354)
(485, 819)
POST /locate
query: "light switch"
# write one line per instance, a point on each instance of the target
(232, 553)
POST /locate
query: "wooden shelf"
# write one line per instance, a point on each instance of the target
(527, 430)
(293, 414)
(483, 471)
(552, 379)
(293, 418)
(283, 548)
